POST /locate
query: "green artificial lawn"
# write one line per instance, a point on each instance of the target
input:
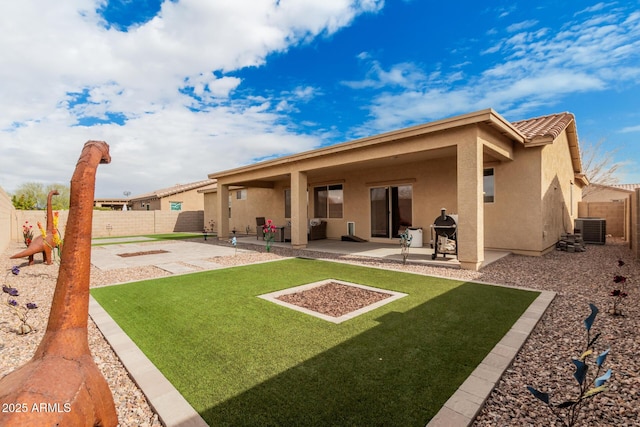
(242, 361)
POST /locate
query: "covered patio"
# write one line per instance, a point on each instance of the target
(511, 187)
(438, 165)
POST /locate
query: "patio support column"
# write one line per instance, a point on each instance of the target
(470, 203)
(298, 210)
(222, 211)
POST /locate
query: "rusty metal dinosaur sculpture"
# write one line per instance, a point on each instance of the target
(39, 243)
(61, 385)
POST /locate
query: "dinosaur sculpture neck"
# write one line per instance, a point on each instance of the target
(66, 332)
(50, 211)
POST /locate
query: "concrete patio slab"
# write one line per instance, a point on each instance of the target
(388, 251)
(107, 257)
(176, 268)
(203, 264)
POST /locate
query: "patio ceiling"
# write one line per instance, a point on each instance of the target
(268, 180)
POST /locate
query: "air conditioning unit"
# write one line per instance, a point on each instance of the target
(593, 230)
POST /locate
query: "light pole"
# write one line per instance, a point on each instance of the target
(126, 193)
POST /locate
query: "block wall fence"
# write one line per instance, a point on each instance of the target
(616, 214)
(105, 223)
(6, 213)
(635, 219)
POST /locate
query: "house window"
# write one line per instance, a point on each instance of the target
(241, 195)
(287, 203)
(176, 206)
(488, 185)
(327, 201)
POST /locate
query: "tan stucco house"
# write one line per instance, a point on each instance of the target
(113, 204)
(513, 186)
(180, 197)
(608, 193)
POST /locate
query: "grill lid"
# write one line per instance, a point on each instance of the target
(445, 224)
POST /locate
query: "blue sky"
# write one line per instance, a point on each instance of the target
(181, 89)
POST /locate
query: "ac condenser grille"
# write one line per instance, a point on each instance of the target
(593, 230)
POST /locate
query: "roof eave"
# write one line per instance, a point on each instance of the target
(539, 141)
(486, 116)
(581, 178)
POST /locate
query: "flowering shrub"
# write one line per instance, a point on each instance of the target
(209, 230)
(43, 232)
(269, 229)
(22, 312)
(27, 233)
(57, 240)
(619, 292)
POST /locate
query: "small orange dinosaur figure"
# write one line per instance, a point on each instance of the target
(39, 243)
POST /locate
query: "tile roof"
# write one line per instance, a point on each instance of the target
(630, 187)
(178, 188)
(545, 127)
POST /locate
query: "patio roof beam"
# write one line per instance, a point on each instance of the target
(256, 184)
(501, 150)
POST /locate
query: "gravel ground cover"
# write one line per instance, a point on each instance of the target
(334, 299)
(543, 362)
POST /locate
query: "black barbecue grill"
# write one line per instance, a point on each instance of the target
(444, 235)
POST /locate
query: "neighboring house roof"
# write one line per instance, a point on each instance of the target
(599, 187)
(179, 188)
(628, 187)
(214, 188)
(606, 193)
(119, 200)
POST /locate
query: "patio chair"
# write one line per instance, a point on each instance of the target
(287, 232)
(260, 222)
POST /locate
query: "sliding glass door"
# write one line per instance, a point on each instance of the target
(391, 210)
(379, 212)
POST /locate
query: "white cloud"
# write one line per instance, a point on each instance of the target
(595, 8)
(404, 75)
(145, 76)
(630, 129)
(519, 26)
(529, 69)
